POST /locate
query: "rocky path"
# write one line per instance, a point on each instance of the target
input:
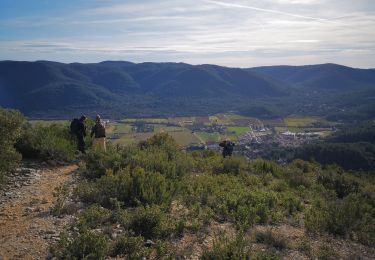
(26, 226)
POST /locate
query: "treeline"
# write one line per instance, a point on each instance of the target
(362, 132)
(352, 148)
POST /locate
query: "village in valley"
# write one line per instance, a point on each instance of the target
(251, 135)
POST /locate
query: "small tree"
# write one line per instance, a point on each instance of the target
(11, 122)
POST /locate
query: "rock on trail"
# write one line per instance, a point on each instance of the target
(26, 226)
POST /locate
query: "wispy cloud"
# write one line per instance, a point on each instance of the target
(231, 5)
(237, 33)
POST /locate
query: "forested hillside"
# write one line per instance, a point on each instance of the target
(353, 148)
(116, 89)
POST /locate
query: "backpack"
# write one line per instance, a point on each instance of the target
(74, 125)
(100, 130)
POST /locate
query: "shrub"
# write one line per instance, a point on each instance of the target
(93, 216)
(87, 245)
(263, 167)
(98, 162)
(159, 154)
(341, 184)
(131, 247)
(47, 142)
(269, 238)
(316, 217)
(326, 253)
(151, 222)
(61, 195)
(266, 256)
(225, 248)
(291, 203)
(11, 122)
(296, 178)
(229, 198)
(132, 188)
(351, 217)
(231, 165)
(163, 141)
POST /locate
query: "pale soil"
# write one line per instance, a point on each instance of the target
(26, 225)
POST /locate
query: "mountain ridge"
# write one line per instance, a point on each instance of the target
(149, 89)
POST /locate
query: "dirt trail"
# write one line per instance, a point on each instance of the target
(26, 226)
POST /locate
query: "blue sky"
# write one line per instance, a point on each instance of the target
(237, 33)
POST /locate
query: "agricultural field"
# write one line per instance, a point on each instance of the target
(127, 139)
(209, 137)
(238, 130)
(49, 122)
(147, 120)
(121, 128)
(202, 129)
(184, 138)
(302, 121)
(307, 124)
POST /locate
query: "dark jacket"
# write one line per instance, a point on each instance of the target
(81, 128)
(227, 147)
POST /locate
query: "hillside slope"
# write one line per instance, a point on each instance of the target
(119, 88)
(36, 87)
(324, 76)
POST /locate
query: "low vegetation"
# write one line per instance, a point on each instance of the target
(143, 199)
(153, 200)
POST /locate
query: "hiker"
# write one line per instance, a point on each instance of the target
(227, 147)
(99, 131)
(78, 128)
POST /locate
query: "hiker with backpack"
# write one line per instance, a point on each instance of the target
(227, 147)
(99, 131)
(78, 129)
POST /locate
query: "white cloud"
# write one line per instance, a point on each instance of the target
(237, 33)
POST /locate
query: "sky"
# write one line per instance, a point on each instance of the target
(237, 33)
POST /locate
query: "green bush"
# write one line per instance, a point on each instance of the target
(131, 247)
(87, 245)
(11, 122)
(296, 178)
(231, 165)
(271, 239)
(343, 185)
(316, 217)
(47, 142)
(291, 203)
(266, 256)
(351, 217)
(261, 166)
(60, 194)
(227, 249)
(98, 162)
(325, 252)
(229, 198)
(158, 154)
(151, 222)
(162, 141)
(93, 216)
(132, 188)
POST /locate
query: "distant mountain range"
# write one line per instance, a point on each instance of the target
(119, 88)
